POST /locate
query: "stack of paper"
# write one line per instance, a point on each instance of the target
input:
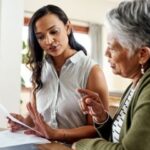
(6, 114)
(8, 138)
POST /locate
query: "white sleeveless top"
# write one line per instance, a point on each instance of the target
(58, 100)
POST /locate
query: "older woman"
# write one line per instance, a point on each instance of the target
(128, 53)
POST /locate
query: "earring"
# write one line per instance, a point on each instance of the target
(142, 69)
(68, 32)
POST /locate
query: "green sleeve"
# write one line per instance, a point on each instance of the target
(138, 134)
(97, 144)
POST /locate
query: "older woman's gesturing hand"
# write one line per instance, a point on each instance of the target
(42, 128)
(91, 104)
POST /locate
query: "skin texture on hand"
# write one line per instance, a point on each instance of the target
(15, 126)
(44, 130)
(92, 104)
(63, 135)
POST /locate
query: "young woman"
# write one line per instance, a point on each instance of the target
(60, 66)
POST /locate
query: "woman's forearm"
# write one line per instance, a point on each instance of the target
(75, 134)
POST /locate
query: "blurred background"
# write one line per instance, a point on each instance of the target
(88, 20)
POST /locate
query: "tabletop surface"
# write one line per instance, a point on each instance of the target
(49, 146)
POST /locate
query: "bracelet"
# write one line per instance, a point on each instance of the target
(103, 121)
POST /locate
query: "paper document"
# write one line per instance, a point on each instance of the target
(6, 114)
(8, 138)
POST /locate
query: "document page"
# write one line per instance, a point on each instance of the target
(6, 114)
(8, 138)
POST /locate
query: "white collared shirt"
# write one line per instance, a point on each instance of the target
(58, 100)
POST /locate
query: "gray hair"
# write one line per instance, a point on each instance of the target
(130, 23)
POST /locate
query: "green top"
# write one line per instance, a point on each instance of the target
(135, 131)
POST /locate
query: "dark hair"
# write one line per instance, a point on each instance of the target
(36, 53)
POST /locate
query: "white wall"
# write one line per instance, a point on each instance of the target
(86, 10)
(0, 27)
(11, 21)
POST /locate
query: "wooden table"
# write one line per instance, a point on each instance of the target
(53, 146)
(50, 146)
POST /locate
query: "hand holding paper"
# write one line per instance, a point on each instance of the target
(6, 114)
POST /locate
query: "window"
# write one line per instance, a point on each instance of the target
(84, 40)
(25, 72)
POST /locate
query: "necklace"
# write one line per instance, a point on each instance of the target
(58, 69)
